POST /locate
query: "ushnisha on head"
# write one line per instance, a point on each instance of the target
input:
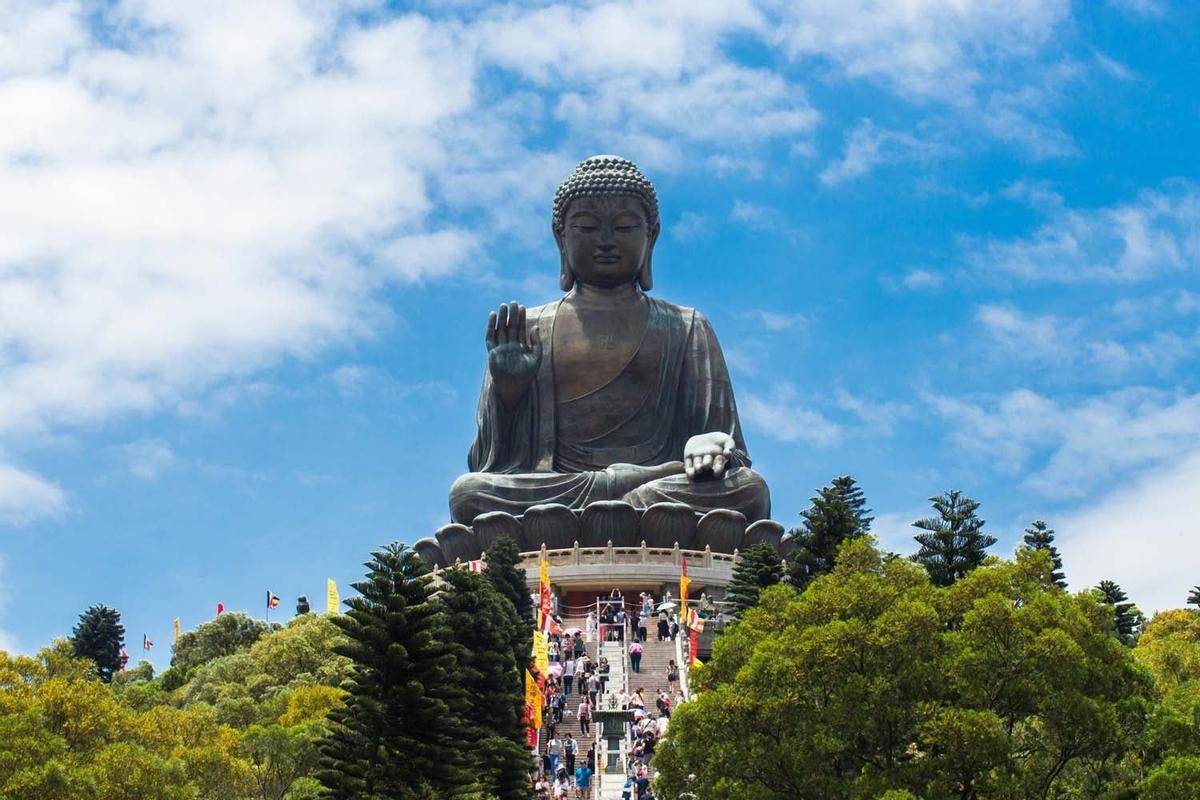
(605, 222)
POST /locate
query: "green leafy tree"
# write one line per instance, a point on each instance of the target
(838, 513)
(1040, 536)
(1128, 618)
(400, 732)
(223, 636)
(483, 624)
(874, 680)
(505, 574)
(99, 636)
(757, 568)
(953, 542)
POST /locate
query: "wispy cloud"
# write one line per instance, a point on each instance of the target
(25, 496)
(1068, 448)
(781, 415)
(149, 458)
(868, 145)
(774, 321)
(1157, 233)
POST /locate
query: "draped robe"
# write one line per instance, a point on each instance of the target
(621, 440)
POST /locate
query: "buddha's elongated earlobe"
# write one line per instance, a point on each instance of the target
(566, 278)
(646, 273)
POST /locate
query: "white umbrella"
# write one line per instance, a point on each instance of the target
(667, 606)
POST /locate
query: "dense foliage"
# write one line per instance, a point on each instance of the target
(758, 567)
(99, 637)
(875, 682)
(1040, 536)
(243, 726)
(838, 513)
(953, 542)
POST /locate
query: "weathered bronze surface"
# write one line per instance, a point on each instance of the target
(607, 393)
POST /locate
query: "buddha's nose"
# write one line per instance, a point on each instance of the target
(606, 247)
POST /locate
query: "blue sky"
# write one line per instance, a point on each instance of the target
(248, 250)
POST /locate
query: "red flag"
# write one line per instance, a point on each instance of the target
(691, 648)
(124, 659)
(476, 566)
(220, 609)
(146, 643)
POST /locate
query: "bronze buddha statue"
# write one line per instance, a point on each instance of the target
(607, 393)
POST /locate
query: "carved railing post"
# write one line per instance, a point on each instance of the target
(576, 556)
(644, 552)
(708, 556)
(612, 556)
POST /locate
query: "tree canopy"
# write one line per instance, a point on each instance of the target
(953, 542)
(876, 680)
(99, 636)
(838, 513)
(758, 567)
(1040, 536)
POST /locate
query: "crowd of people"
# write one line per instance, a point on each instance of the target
(577, 684)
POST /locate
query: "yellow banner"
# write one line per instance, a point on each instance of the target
(177, 634)
(545, 572)
(541, 653)
(533, 696)
(331, 597)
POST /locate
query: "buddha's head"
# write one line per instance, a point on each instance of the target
(605, 223)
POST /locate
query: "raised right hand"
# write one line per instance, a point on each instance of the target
(514, 354)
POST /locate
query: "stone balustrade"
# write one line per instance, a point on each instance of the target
(609, 525)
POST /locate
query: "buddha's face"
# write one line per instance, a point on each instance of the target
(606, 240)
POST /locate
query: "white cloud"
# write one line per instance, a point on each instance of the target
(1068, 449)
(25, 496)
(690, 225)
(781, 416)
(919, 48)
(1026, 336)
(193, 204)
(774, 321)
(868, 145)
(1159, 232)
(921, 279)
(879, 416)
(1145, 535)
(149, 458)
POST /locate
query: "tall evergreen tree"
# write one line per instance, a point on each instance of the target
(1128, 617)
(954, 542)
(482, 622)
(837, 514)
(757, 567)
(1039, 536)
(503, 573)
(100, 636)
(1194, 596)
(400, 733)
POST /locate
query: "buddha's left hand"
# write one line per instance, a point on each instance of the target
(707, 455)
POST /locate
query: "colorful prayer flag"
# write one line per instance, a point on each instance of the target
(177, 629)
(683, 585)
(478, 565)
(544, 605)
(220, 609)
(695, 622)
(272, 600)
(533, 698)
(146, 643)
(541, 654)
(691, 648)
(331, 597)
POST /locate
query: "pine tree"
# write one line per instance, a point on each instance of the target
(482, 622)
(1127, 616)
(1194, 596)
(508, 578)
(400, 733)
(757, 567)
(954, 542)
(100, 636)
(837, 514)
(1039, 536)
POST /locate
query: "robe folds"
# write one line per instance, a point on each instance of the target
(622, 440)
